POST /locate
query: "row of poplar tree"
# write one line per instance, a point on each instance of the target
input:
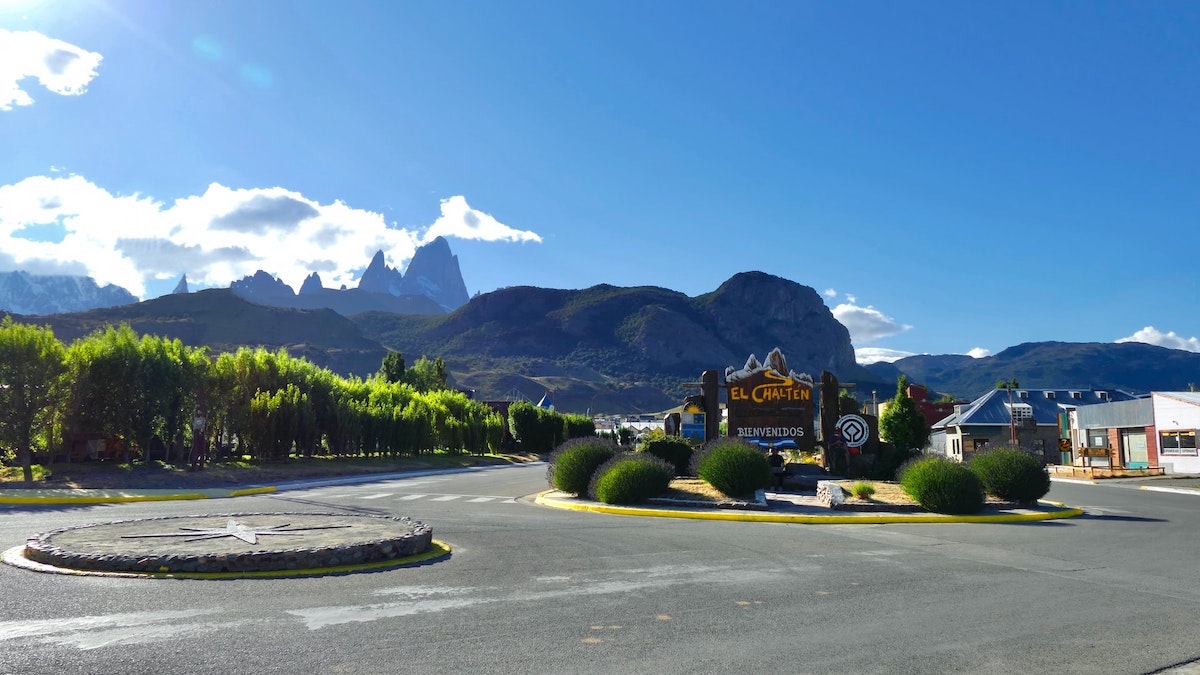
(151, 391)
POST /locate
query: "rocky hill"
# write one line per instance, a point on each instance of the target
(604, 349)
(1128, 366)
(603, 344)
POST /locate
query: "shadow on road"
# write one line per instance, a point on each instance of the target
(1118, 518)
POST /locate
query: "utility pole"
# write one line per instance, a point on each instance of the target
(1012, 421)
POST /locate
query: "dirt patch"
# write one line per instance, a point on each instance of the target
(696, 490)
(885, 493)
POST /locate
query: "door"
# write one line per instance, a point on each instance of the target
(1133, 444)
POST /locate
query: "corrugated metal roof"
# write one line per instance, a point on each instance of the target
(1046, 404)
(1188, 396)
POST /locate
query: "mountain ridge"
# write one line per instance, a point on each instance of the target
(1135, 367)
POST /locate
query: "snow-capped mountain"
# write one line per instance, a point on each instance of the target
(43, 294)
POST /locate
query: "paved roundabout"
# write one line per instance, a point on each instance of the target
(231, 545)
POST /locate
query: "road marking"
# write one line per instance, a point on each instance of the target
(381, 495)
(1174, 491)
(480, 500)
(446, 498)
(408, 498)
(1077, 481)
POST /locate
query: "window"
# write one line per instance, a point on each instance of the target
(1103, 395)
(1050, 395)
(1076, 395)
(1177, 442)
(1020, 411)
(1022, 394)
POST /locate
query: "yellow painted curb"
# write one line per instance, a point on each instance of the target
(762, 517)
(253, 491)
(97, 499)
(439, 549)
(121, 499)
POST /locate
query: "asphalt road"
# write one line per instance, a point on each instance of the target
(531, 589)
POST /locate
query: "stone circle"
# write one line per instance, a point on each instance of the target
(231, 543)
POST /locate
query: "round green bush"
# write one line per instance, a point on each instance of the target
(1011, 474)
(942, 486)
(671, 449)
(733, 466)
(573, 463)
(630, 478)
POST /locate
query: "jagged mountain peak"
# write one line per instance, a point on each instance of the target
(311, 285)
(434, 272)
(379, 277)
(182, 286)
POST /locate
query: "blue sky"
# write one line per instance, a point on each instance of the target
(953, 177)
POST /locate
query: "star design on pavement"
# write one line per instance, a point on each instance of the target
(233, 529)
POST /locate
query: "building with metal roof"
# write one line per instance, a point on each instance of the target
(1030, 418)
(1154, 432)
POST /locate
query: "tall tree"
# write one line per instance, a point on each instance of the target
(32, 362)
(426, 375)
(392, 368)
(901, 424)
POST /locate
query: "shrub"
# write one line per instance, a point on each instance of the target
(733, 466)
(573, 463)
(671, 449)
(536, 429)
(629, 478)
(942, 486)
(578, 426)
(862, 490)
(1011, 474)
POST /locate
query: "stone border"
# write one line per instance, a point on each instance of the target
(417, 540)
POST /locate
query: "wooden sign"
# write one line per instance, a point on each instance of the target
(770, 405)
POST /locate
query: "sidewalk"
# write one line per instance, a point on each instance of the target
(51, 496)
(110, 496)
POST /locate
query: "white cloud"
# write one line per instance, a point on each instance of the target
(1153, 336)
(868, 355)
(830, 293)
(866, 324)
(59, 66)
(458, 219)
(979, 353)
(52, 224)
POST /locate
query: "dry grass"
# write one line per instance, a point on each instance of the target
(885, 493)
(696, 489)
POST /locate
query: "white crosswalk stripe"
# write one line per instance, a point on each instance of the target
(381, 495)
(480, 500)
(407, 498)
(446, 498)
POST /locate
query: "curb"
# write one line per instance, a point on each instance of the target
(1061, 511)
(1174, 491)
(10, 496)
(132, 497)
(438, 551)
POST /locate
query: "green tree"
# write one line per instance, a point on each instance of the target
(32, 362)
(104, 371)
(426, 375)
(392, 368)
(901, 424)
